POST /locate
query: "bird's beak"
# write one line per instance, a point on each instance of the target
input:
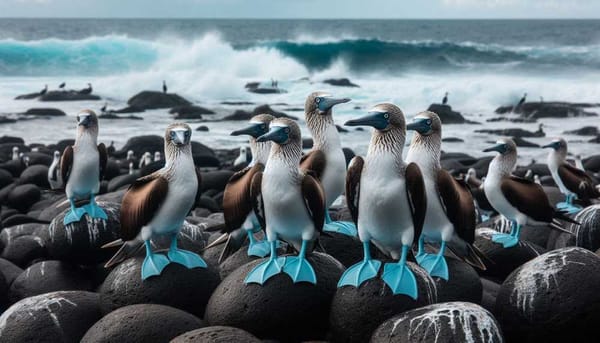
(328, 102)
(179, 138)
(84, 121)
(550, 145)
(419, 125)
(373, 119)
(497, 147)
(252, 130)
(276, 134)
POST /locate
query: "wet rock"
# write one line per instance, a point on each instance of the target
(463, 285)
(48, 276)
(447, 115)
(279, 309)
(28, 96)
(343, 82)
(81, 242)
(9, 270)
(584, 131)
(520, 142)
(549, 110)
(113, 116)
(215, 180)
(153, 100)
(190, 112)
(24, 249)
(357, 312)
(202, 128)
(10, 233)
(23, 196)
(37, 175)
(588, 232)
(216, 334)
(445, 322)
(57, 317)
(45, 112)
(490, 293)
(67, 96)
(142, 323)
(452, 140)
(6, 178)
(514, 132)
(177, 286)
(552, 298)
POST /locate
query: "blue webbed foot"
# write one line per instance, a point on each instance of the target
(95, 211)
(435, 265)
(562, 205)
(572, 209)
(507, 240)
(74, 215)
(264, 271)
(359, 273)
(259, 249)
(345, 228)
(186, 258)
(298, 268)
(400, 279)
(153, 265)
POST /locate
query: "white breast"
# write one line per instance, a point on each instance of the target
(496, 198)
(84, 177)
(553, 164)
(334, 176)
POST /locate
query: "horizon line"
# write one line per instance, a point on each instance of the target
(297, 18)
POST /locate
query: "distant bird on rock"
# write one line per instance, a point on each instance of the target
(445, 99)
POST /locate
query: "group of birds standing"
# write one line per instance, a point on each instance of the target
(86, 91)
(394, 202)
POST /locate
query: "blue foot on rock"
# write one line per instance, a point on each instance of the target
(74, 215)
(400, 279)
(435, 265)
(345, 228)
(95, 211)
(264, 271)
(153, 263)
(186, 258)
(562, 205)
(572, 209)
(359, 273)
(298, 268)
(259, 249)
(507, 240)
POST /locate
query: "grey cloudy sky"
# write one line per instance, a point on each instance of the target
(303, 8)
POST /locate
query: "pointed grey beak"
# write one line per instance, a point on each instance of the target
(328, 102)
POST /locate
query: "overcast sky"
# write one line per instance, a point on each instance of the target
(303, 8)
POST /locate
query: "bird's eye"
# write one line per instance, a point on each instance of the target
(386, 115)
(317, 100)
(428, 121)
(263, 127)
(287, 130)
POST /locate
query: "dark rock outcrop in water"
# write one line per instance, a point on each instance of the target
(189, 112)
(514, 132)
(520, 142)
(113, 116)
(254, 87)
(148, 100)
(584, 131)
(549, 110)
(45, 112)
(245, 115)
(343, 82)
(447, 115)
(28, 96)
(67, 96)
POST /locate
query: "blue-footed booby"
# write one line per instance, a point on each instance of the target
(157, 204)
(240, 219)
(451, 215)
(574, 183)
(519, 200)
(15, 154)
(82, 167)
(326, 159)
(54, 177)
(293, 203)
(387, 200)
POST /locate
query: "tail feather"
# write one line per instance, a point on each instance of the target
(231, 246)
(220, 240)
(562, 215)
(556, 225)
(471, 255)
(128, 249)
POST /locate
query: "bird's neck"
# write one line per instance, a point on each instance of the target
(425, 151)
(175, 157)
(323, 130)
(260, 151)
(388, 142)
(501, 166)
(289, 155)
(86, 136)
(556, 158)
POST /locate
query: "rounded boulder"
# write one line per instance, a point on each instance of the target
(462, 285)
(22, 197)
(216, 334)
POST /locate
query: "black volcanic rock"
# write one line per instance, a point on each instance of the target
(520, 142)
(36, 174)
(62, 316)
(279, 309)
(588, 232)
(45, 112)
(357, 312)
(23, 196)
(153, 100)
(190, 112)
(584, 131)
(444, 322)
(216, 334)
(142, 323)
(67, 96)
(514, 132)
(549, 110)
(552, 298)
(28, 96)
(343, 82)
(447, 115)
(463, 284)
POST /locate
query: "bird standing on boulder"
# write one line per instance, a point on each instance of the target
(519, 200)
(54, 177)
(62, 85)
(293, 204)
(44, 91)
(82, 167)
(445, 99)
(521, 102)
(574, 183)
(15, 153)
(240, 219)
(387, 200)
(451, 217)
(326, 159)
(164, 87)
(157, 204)
(87, 90)
(145, 160)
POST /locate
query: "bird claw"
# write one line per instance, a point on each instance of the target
(345, 228)
(507, 240)
(298, 268)
(435, 265)
(95, 211)
(74, 215)
(259, 249)
(186, 258)
(153, 265)
(265, 270)
(400, 279)
(359, 273)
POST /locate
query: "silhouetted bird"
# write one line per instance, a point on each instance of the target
(87, 90)
(103, 109)
(62, 85)
(44, 91)
(164, 87)
(445, 99)
(522, 101)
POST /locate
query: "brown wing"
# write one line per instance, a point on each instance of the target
(315, 162)
(353, 185)
(199, 190)
(460, 208)
(256, 198)
(140, 203)
(528, 197)
(314, 199)
(417, 196)
(103, 159)
(577, 181)
(237, 203)
(66, 162)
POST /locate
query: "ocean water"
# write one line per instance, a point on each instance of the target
(483, 64)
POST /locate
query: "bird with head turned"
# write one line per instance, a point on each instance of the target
(573, 182)
(157, 204)
(387, 200)
(519, 200)
(451, 216)
(240, 219)
(82, 168)
(326, 159)
(289, 202)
